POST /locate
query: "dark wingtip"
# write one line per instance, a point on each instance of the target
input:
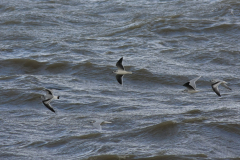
(58, 97)
(51, 109)
(186, 84)
(119, 82)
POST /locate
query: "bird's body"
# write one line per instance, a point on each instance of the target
(48, 98)
(121, 71)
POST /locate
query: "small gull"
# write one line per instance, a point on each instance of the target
(191, 85)
(216, 83)
(231, 11)
(97, 123)
(121, 71)
(48, 98)
(224, 83)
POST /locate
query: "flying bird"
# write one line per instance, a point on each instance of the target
(224, 83)
(48, 98)
(216, 83)
(97, 123)
(191, 85)
(121, 71)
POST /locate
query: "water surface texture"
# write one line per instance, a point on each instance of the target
(73, 46)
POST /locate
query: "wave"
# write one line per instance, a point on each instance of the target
(231, 128)
(194, 111)
(145, 76)
(161, 126)
(160, 131)
(222, 27)
(58, 67)
(63, 141)
(14, 96)
(126, 29)
(223, 61)
(16, 66)
(111, 157)
(194, 120)
(134, 157)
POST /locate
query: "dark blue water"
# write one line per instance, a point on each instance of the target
(73, 46)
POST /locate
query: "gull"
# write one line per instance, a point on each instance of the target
(224, 83)
(97, 123)
(231, 11)
(216, 83)
(191, 85)
(48, 98)
(121, 71)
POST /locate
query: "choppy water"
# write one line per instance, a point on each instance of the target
(74, 45)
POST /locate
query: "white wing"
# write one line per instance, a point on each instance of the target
(97, 124)
(224, 84)
(49, 94)
(215, 88)
(193, 82)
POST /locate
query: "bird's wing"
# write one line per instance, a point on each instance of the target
(49, 91)
(119, 64)
(97, 125)
(215, 88)
(188, 86)
(193, 82)
(119, 78)
(48, 105)
(225, 85)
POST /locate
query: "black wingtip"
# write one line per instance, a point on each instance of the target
(119, 82)
(50, 108)
(58, 97)
(119, 78)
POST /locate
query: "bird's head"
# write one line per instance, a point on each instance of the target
(213, 81)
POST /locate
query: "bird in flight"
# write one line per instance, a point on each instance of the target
(121, 71)
(216, 83)
(48, 98)
(191, 85)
